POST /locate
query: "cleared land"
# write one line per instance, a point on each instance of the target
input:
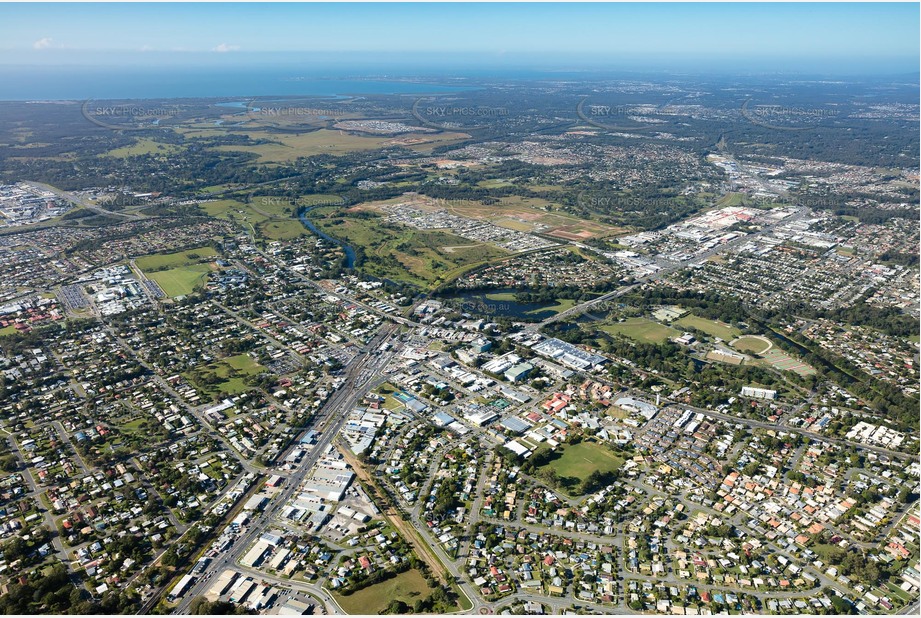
(281, 230)
(408, 587)
(560, 305)
(713, 328)
(641, 329)
(524, 214)
(387, 390)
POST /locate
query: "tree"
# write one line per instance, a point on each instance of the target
(9, 463)
(396, 607)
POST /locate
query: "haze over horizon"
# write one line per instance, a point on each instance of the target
(796, 38)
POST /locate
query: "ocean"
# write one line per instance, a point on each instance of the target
(78, 83)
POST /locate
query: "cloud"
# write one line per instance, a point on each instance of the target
(43, 43)
(224, 47)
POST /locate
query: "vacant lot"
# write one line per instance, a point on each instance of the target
(560, 305)
(580, 460)
(713, 328)
(641, 329)
(408, 587)
(225, 376)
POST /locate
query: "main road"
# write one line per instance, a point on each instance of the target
(360, 374)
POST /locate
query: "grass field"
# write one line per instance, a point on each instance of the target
(281, 230)
(172, 260)
(421, 257)
(753, 344)
(143, 146)
(178, 273)
(387, 390)
(286, 147)
(641, 329)
(562, 304)
(408, 587)
(711, 327)
(229, 374)
(578, 461)
(495, 183)
(181, 281)
(271, 218)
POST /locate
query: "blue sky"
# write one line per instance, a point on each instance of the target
(53, 33)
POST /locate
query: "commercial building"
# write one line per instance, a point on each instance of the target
(758, 393)
(518, 372)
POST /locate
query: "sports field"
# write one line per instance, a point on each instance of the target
(780, 360)
(713, 328)
(181, 281)
(752, 343)
(641, 329)
(171, 260)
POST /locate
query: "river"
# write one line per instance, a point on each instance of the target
(348, 249)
